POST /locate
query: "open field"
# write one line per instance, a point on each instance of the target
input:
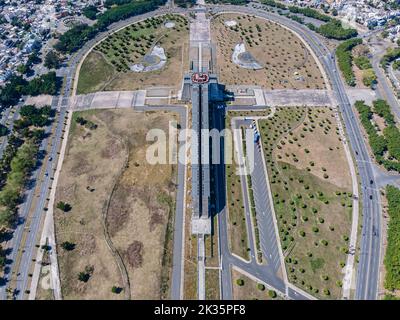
(121, 208)
(285, 61)
(312, 198)
(107, 67)
(250, 289)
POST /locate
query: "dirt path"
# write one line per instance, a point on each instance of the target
(114, 251)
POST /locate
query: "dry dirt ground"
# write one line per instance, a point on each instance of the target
(111, 187)
(249, 289)
(286, 61)
(111, 58)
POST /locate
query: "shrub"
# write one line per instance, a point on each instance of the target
(83, 276)
(68, 246)
(64, 206)
(362, 62)
(261, 287)
(240, 282)
(272, 293)
(116, 290)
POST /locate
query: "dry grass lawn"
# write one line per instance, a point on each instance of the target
(321, 146)
(286, 61)
(212, 284)
(107, 166)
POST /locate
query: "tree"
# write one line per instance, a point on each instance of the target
(64, 206)
(52, 60)
(116, 290)
(7, 217)
(68, 246)
(3, 130)
(261, 287)
(12, 91)
(44, 84)
(369, 77)
(240, 282)
(345, 59)
(3, 258)
(90, 12)
(83, 276)
(391, 261)
(272, 294)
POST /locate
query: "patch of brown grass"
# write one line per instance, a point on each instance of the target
(134, 254)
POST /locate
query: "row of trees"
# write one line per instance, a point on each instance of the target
(332, 29)
(19, 158)
(389, 141)
(185, 3)
(308, 12)
(234, 2)
(392, 256)
(74, 38)
(345, 59)
(18, 86)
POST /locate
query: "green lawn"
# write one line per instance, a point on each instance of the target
(95, 73)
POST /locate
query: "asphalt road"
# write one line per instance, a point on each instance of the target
(368, 267)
